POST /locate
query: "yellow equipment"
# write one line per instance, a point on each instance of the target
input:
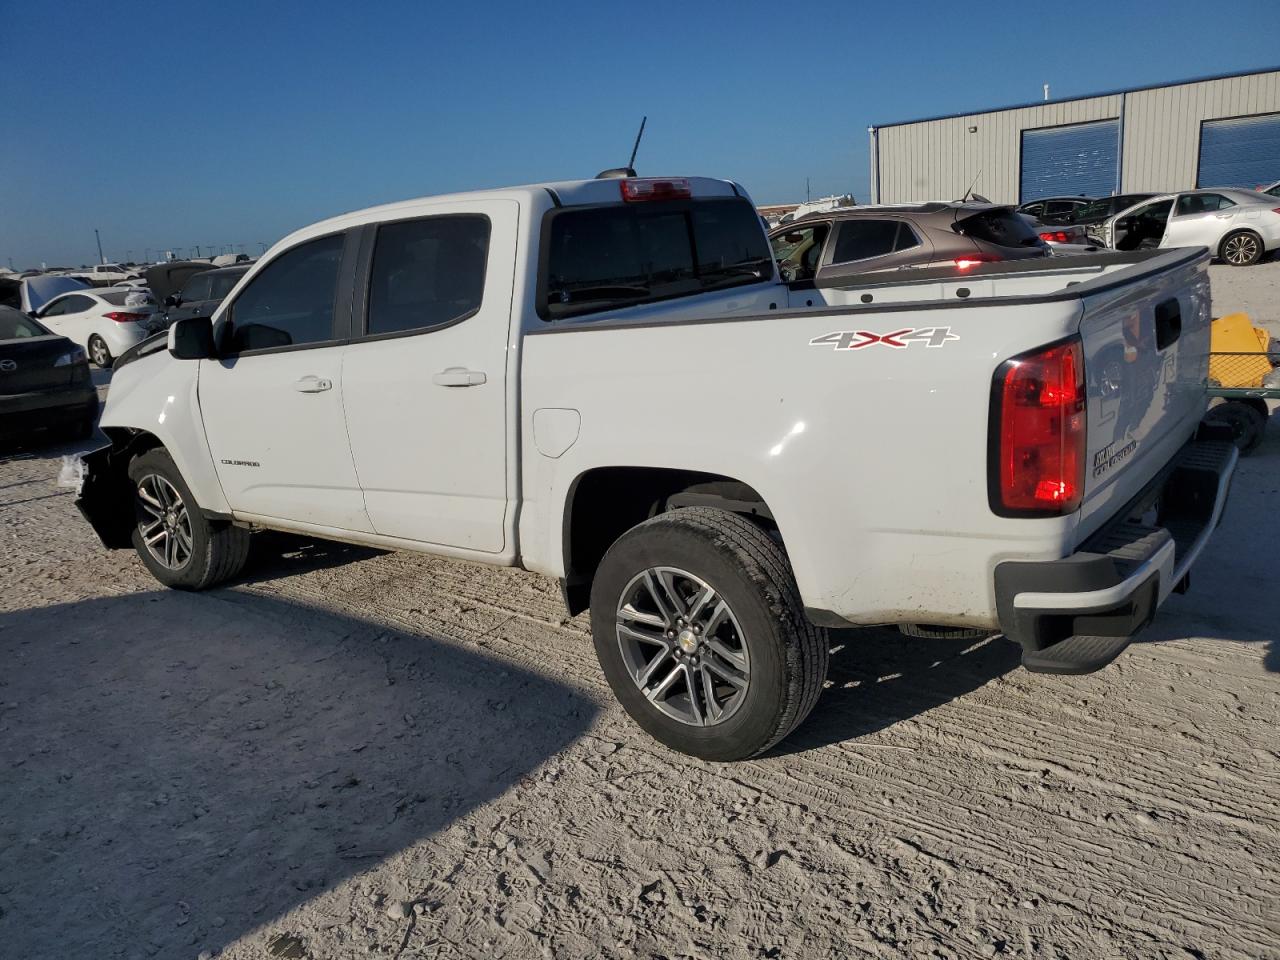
(1237, 352)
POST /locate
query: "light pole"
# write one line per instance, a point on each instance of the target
(101, 258)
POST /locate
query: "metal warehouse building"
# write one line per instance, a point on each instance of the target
(1215, 132)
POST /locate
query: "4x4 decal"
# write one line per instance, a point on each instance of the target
(856, 339)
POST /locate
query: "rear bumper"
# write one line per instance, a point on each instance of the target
(1077, 614)
(41, 408)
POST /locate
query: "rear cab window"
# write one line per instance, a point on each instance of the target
(602, 258)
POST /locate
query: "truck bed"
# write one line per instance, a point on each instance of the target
(865, 425)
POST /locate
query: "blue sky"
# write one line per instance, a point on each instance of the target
(170, 125)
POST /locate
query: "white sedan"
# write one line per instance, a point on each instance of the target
(105, 322)
(1239, 227)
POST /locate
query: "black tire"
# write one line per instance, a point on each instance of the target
(1241, 248)
(217, 549)
(750, 572)
(1248, 425)
(99, 353)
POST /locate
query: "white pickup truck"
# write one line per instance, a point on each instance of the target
(605, 382)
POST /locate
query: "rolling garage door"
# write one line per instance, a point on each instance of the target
(1070, 161)
(1244, 152)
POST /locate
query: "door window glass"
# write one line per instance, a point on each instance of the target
(1193, 203)
(427, 273)
(860, 239)
(290, 302)
(220, 285)
(197, 288)
(67, 305)
(799, 250)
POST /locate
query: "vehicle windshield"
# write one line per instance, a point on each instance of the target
(14, 325)
(600, 258)
(1097, 209)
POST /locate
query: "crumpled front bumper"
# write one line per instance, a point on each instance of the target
(104, 498)
(1077, 614)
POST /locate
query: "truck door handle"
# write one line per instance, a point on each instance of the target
(312, 384)
(458, 377)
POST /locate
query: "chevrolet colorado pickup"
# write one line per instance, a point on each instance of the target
(606, 382)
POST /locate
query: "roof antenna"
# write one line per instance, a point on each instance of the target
(971, 186)
(618, 173)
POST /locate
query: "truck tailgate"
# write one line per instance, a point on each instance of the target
(1146, 347)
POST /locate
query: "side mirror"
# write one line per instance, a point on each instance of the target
(172, 300)
(192, 338)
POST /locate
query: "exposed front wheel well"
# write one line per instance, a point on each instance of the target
(606, 502)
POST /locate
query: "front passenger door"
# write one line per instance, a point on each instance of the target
(272, 400)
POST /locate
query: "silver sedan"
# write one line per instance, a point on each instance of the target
(1239, 227)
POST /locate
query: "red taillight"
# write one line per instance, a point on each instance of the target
(973, 259)
(1057, 236)
(124, 317)
(1275, 209)
(1041, 441)
(636, 191)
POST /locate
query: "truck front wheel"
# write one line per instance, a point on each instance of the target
(701, 633)
(179, 545)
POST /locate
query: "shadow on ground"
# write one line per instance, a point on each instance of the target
(178, 769)
(880, 677)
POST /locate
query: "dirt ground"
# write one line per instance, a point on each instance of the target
(348, 753)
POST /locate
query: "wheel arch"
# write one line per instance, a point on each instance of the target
(1235, 231)
(605, 502)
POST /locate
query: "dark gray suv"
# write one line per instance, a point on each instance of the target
(860, 240)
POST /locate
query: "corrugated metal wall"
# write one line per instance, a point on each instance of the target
(937, 159)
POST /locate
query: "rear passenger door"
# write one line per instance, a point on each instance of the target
(871, 245)
(424, 379)
(71, 316)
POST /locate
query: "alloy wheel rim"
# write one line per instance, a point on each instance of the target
(163, 522)
(99, 352)
(1241, 249)
(682, 646)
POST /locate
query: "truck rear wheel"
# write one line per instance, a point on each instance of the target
(179, 545)
(701, 633)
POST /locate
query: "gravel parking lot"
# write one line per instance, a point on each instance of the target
(351, 752)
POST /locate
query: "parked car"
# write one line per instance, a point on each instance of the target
(1238, 226)
(857, 240)
(1055, 209)
(604, 381)
(1062, 238)
(105, 322)
(1272, 189)
(29, 292)
(106, 274)
(1097, 212)
(199, 296)
(44, 379)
